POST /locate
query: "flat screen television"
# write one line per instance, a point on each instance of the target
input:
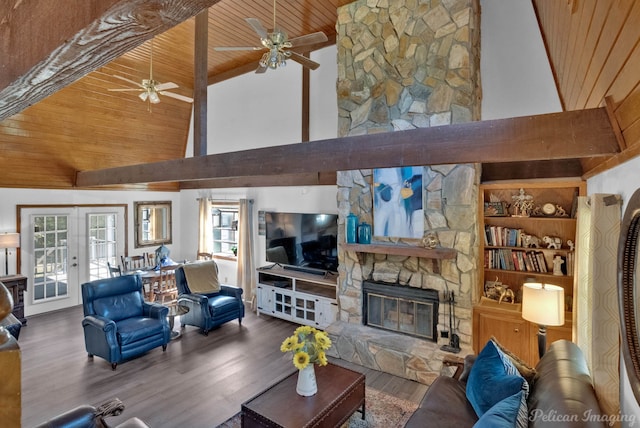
(306, 242)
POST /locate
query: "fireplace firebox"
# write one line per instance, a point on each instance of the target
(407, 310)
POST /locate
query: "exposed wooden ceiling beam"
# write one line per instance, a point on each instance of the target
(200, 92)
(77, 43)
(556, 136)
(309, 179)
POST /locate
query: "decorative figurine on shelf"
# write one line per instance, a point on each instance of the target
(552, 242)
(531, 241)
(430, 241)
(522, 204)
(506, 294)
(571, 245)
(557, 265)
(560, 212)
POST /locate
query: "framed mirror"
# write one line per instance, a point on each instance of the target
(629, 291)
(152, 223)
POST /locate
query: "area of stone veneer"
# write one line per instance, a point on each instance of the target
(405, 64)
(450, 212)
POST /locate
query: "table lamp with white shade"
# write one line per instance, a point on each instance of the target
(543, 304)
(7, 241)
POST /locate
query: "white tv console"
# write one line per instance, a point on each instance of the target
(296, 296)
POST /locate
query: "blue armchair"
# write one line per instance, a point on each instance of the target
(210, 303)
(118, 324)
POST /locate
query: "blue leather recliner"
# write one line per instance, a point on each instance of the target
(118, 324)
(209, 310)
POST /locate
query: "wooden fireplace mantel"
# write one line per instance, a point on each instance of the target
(402, 250)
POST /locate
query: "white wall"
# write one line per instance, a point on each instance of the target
(514, 69)
(261, 110)
(13, 197)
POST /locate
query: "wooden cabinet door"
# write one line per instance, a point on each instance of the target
(510, 331)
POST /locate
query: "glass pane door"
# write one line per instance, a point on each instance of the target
(50, 251)
(64, 247)
(102, 244)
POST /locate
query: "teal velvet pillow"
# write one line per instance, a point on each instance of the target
(511, 412)
(490, 381)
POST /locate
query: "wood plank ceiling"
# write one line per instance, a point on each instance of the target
(594, 48)
(84, 126)
(593, 45)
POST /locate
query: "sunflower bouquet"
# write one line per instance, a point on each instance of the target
(308, 345)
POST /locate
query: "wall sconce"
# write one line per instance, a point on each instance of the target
(8, 240)
(543, 304)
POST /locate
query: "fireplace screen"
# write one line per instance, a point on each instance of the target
(401, 309)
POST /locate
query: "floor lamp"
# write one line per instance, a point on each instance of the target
(543, 304)
(8, 240)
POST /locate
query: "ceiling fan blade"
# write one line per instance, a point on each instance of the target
(129, 81)
(238, 48)
(125, 90)
(309, 39)
(176, 96)
(257, 27)
(306, 62)
(165, 86)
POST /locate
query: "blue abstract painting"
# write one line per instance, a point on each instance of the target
(397, 202)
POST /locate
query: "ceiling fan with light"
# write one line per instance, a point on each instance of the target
(278, 45)
(150, 89)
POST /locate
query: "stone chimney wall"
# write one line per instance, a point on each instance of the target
(405, 64)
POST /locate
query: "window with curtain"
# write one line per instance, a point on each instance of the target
(224, 220)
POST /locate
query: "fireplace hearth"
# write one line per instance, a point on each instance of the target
(407, 310)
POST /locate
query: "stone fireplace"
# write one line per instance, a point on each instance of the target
(405, 64)
(407, 310)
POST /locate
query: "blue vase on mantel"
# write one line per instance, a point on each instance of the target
(351, 228)
(364, 233)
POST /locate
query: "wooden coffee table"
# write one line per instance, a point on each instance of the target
(340, 394)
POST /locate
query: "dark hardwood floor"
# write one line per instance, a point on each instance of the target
(200, 381)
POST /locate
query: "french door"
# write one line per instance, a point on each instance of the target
(64, 247)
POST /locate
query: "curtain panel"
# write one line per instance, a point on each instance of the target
(205, 227)
(596, 318)
(246, 271)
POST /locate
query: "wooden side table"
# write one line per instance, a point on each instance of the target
(340, 394)
(17, 285)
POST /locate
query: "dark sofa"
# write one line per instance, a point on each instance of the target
(561, 394)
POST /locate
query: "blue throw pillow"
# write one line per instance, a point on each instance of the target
(511, 412)
(489, 382)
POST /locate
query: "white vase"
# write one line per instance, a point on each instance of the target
(307, 381)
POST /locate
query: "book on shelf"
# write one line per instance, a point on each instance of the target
(499, 236)
(516, 260)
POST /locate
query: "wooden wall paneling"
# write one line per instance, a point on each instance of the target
(572, 22)
(619, 54)
(585, 13)
(610, 32)
(592, 50)
(584, 57)
(625, 90)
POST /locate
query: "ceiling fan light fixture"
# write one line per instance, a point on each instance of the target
(264, 61)
(154, 98)
(143, 96)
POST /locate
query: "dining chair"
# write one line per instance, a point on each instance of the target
(151, 259)
(131, 263)
(114, 270)
(166, 286)
(204, 256)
